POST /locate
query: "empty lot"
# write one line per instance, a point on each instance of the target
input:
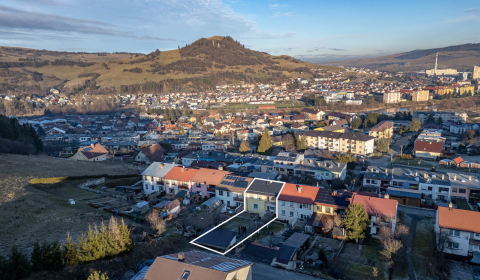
(30, 213)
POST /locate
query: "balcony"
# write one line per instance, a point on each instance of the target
(184, 187)
(238, 198)
(211, 189)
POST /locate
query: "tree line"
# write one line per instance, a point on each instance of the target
(18, 139)
(99, 243)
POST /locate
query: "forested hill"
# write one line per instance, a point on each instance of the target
(200, 65)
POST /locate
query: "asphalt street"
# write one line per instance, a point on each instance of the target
(266, 272)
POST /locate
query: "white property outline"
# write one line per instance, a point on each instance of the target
(244, 206)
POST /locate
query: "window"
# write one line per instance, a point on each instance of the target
(291, 214)
(452, 245)
(374, 182)
(454, 189)
(462, 190)
(474, 248)
(283, 203)
(319, 208)
(220, 192)
(283, 212)
(477, 234)
(394, 183)
(228, 194)
(429, 188)
(291, 204)
(255, 206)
(327, 209)
(198, 184)
(228, 202)
(185, 274)
(453, 232)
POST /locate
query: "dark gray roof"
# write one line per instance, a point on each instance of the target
(356, 136)
(217, 237)
(265, 187)
(324, 196)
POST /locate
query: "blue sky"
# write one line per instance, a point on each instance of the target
(310, 30)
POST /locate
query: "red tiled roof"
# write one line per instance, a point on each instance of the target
(306, 195)
(376, 206)
(459, 219)
(210, 176)
(381, 126)
(432, 147)
(181, 174)
(458, 160)
(95, 151)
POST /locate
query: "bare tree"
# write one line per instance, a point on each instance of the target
(390, 245)
(156, 222)
(328, 226)
(114, 229)
(337, 221)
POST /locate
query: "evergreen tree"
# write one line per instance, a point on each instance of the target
(70, 249)
(265, 143)
(40, 131)
(18, 265)
(125, 237)
(402, 129)
(356, 221)
(357, 122)
(244, 147)
(36, 257)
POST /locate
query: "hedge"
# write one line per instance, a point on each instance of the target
(53, 180)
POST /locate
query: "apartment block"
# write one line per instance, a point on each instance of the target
(420, 95)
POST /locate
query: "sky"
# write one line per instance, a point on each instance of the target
(317, 31)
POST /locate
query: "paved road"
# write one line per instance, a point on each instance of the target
(266, 272)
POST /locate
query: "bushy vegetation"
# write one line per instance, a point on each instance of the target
(99, 243)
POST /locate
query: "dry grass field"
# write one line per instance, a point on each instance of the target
(40, 212)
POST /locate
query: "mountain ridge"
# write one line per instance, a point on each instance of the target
(461, 57)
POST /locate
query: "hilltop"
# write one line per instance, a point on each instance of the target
(200, 65)
(460, 57)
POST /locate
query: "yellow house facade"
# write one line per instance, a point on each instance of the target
(261, 196)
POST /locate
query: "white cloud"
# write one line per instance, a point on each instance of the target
(276, 6)
(279, 14)
(466, 15)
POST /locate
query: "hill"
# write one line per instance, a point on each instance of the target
(460, 57)
(198, 66)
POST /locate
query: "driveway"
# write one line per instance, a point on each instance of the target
(418, 212)
(266, 272)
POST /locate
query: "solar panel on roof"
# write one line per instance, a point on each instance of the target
(87, 149)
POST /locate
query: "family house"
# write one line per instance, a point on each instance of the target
(154, 177)
(296, 202)
(179, 178)
(93, 152)
(205, 181)
(382, 212)
(262, 196)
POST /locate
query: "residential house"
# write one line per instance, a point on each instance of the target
(327, 204)
(196, 265)
(154, 177)
(284, 163)
(383, 129)
(296, 202)
(464, 186)
(261, 196)
(231, 190)
(93, 152)
(428, 150)
(205, 181)
(382, 211)
(151, 154)
(311, 114)
(460, 230)
(322, 169)
(179, 178)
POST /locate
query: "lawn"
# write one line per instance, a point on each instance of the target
(234, 223)
(423, 252)
(461, 204)
(272, 228)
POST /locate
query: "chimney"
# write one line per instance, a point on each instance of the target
(317, 184)
(310, 160)
(183, 168)
(161, 165)
(386, 196)
(220, 167)
(371, 169)
(454, 177)
(416, 173)
(386, 171)
(181, 257)
(443, 177)
(470, 178)
(450, 206)
(301, 162)
(425, 175)
(334, 193)
(299, 189)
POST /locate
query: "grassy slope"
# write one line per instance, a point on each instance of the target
(115, 76)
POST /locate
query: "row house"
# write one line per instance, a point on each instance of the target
(231, 190)
(296, 203)
(153, 177)
(321, 169)
(261, 197)
(206, 180)
(179, 178)
(285, 163)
